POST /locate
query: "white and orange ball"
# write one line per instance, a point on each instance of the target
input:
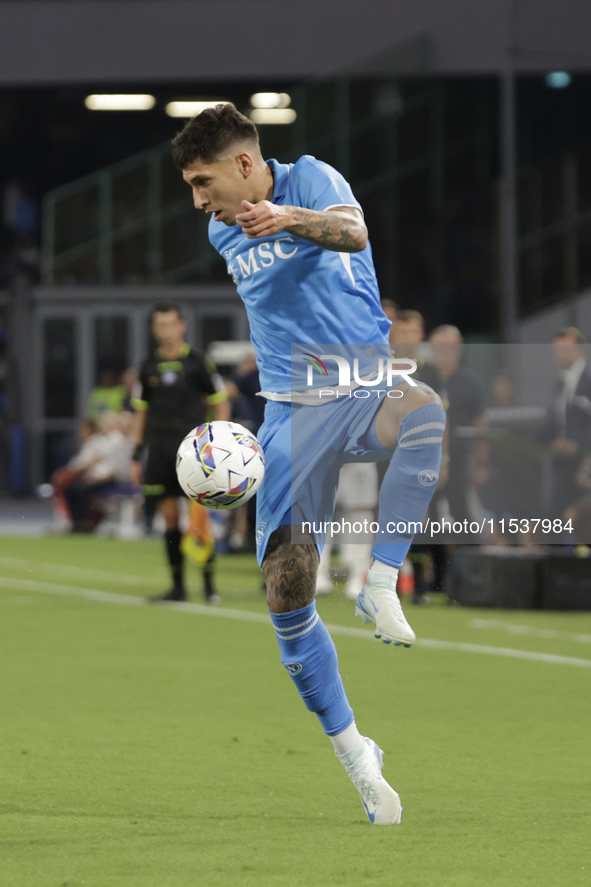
(220, 464)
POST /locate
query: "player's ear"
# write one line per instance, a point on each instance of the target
(245, 163)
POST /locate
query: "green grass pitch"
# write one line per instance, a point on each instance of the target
(155, 747)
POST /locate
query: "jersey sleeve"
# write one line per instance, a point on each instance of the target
(320, 186)
(142, 401)
(209, 382)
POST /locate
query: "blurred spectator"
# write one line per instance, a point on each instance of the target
(568, 420)
(19, 251)
(90, 450)
(240, 406)
(130, 381)
(104, 459)
(108, 397)
(390, 309)
(409, 332)
(502, 390)
(462, 397)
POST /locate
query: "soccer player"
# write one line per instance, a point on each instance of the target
(177, 389)
(295, 243)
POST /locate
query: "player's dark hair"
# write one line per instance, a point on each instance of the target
(408, 315)
(165, 307)
(571, 332)
(210, 133)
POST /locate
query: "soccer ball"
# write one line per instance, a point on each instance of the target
(220, 464)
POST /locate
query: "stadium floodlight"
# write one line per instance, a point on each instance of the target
(272, 115)
(558, 79)
(270, 100)
(136, 102)
(191, 108)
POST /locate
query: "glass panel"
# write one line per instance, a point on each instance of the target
(276, 141)
(414, 134)
(553, 269)
(76, 219)
(59, 356)
(130, 196)
(552, 193)
(542, 274)
(181, 236)
(529, 202)
(372, 151)
(584, 179)
(320, 111)
(111, 343)
(414, 194)
(584, 256)
(82, 270)
(131, 259)
(173, 186)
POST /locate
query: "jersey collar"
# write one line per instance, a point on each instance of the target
(182, 353)
(280, 179)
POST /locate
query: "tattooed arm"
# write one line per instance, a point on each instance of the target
(341, 229)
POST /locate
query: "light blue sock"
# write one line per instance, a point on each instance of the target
(309, 655)
(409, 482)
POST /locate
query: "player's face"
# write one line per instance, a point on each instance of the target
(168, 328)
(567, 351)
(447, 353)
(409, 332)
(221, 186)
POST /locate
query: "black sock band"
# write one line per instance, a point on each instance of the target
(208, 576)
(172, 541)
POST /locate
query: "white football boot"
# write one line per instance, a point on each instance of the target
(379, 603)
(364, 766)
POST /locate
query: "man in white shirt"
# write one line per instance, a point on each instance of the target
(568, 425)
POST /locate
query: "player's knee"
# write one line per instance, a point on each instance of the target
(420, 396)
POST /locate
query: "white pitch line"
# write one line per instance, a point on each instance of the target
(546, 633)
(107, 597)
(79, 572)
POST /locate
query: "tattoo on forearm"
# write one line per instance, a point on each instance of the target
(290, 572)
(337, 231)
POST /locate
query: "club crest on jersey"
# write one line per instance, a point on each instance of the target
(260, 532)
(428, 477)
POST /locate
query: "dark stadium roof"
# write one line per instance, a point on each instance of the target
(66, 41)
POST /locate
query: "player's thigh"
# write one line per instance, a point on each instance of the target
(160, 475)
(394, 409)
(168, 507)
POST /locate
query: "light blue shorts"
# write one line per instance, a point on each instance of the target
(305, 448)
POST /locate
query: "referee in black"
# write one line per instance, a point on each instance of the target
(179, 390)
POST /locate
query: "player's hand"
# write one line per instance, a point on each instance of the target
(136, 473)
(262, 219)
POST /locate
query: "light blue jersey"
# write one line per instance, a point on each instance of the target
(297, 293)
